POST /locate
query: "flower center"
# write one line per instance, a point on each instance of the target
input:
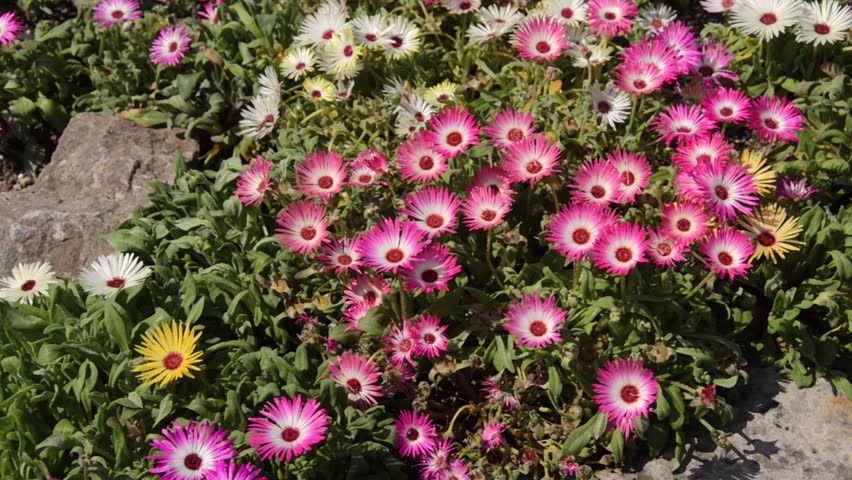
(412, 434)
(429, 339)
(300, 66)
(538, 328)
(706, 70)
(664, 249)
(684, 129)
(454, 139)
(515, 135)
(534, 167)
(406, 345)
(684, 225)
(657, 23)
(604, 107)
(567, 13)
(28, 285)
(192, 462)
(627, 178)
(542, 47)
(365, 179)
(269, 118)
(316, 94)
(116, 282)
(289, 434)
(768, 18)
(117, 14)
(426, 162)
(327, 34)
(396, 42)
(347, 51)
(488, 215)
(370, 297)
(464, 5)
(629, 393)
(623, 254)
(726, 112)
(727, 3)
(725, 258)
(173, 361)
(703, 158)
(419, 117)
(766, 239)
(325, 182)
(822, 29)
(721, 192)
(173, 47)
(640, 84)
(371, 37)
(581, 236)
(429, 276)
(344, 259)
(598, 191)
(394, 255)
(610, 16)
(353, 385)
(435, 221)
(770, 123)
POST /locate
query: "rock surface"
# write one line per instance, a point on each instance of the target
(98, 176)
(785, 433)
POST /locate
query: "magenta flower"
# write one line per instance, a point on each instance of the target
(359, 376)
(432, 270)
(453, 131)
(655, 53)
(320, 174)
(686, 222)
(433, 209)
(682, 123)
(609, 18)
(420, 160)
(415, 434)
(113, 12)
(574, 230)
(391, 244)
(435, 464)
(9, 28)
(624, 392)
(430, 339)
(727, 190)
(665, 250)
(714, 58)
(191, 452)
(509, 127)
(727, 252)
(727, 105)
(596, 182)
(797, 189)
(531, 160)
(254, 182)
(620, 248)
(680, 38)
(633, 173)
(287, 428)
(483, 209)
(234, 471)
(494, 179)
(492, 435)
(366, 289)
(702, 151)
(775, 119)
(534, 322)
(341, 256)
(302, 226)
(540, 38)
(401, 343)
(639, 78)
(170, 45)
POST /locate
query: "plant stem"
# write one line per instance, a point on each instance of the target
(624, 289)
(401, 299)
(490, 262)
(633, 113)
(767, 50)
(576, 282)
(700, 284)
(455, 417)
(555, 200)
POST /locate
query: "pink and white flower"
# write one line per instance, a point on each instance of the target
(391, 244)
(420, 159)
(569, 12)
(531, 160)
(620, 248)
(254, 182)
(321, 174)
(112, 12)
(624, 391)
(415, 434)
(509, 127)
(686, 222)
(702, 151)
(433, 209)
(639, 78)
(432, 270)
(727, 105)
(190, 452)
(714, 58)
(484, 209)
(633, 173)
(401, 343)
(654, 52)
(796, 189)
(359, 376)
(775, 119)
(494, 179)
(680, 38)
(302, 226)
(452, 131)
(664, 250)
(287, 428)
(727, 252)
(434, 465)
(682, 123)
(534, 322)
(540, 38)
(430, 338)
(9, 28)
(596, 182)
(610, 18)
(170, 45)
(231, 470)
(341, 256)
(728, 190)
(574, 230)
(366, 289)
(492, 435)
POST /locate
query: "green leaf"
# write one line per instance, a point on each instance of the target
(616, 445)
(301, 362)
(554, 386)
(196, 311)
(165, 409)
(115, 324)
(582, 435)
(675, 397)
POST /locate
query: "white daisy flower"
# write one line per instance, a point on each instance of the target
(370, 30)
(397, 86)
(654, 18)
(406, 125)
(28, 281)
(824, 22)
(417, 107)
(270, 87)
(506, 17)
(343, 90)
(765, 18)
(298, 61)
(319, 28)
(259, 118)
(592, 55)
(403, 38)
(717, 6)
(480, 33)
(110, 273)
(341, 55)
(461, 6)
(569, 12)
(610, 104)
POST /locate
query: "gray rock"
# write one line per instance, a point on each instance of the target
(785, 433)
(98, 176)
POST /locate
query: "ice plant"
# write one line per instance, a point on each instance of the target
(762, 174)
(321, 174)
(639, 78)
(434, 465)
(718, 6)
(534, 321)
(682, 123)
(610, 18)
(302, 227)
(509, 127)
(540, 38)
(401, 343)
(403, 39)
(433, 209)
(574, 230)
(665, 250)
(111, 273)
(654, 18)
(370, 30)
(596, 182)
(341, 55)
(765, 18)
(620, 248)
(459, 7)
(391, 244)
(484, 209)
(772, 232)
(420, 160)
(341, 256)
(318, 28)
(287, 428)
(624, 391)
(679, 38)
(702, 151)
(494, 179)
(113, 12)
(318, 89)
(711, 65)
(9, 28)
(824, 21)
(254, 182)
(193, 452)
(796, 189)
(453, 131)
(775, 119)
(258, 119)
(168, 351)
(209, 13)
(492, 435)
(170, 45)
(655, 53)
(569, 12)
(359, 376)
(232, 470)
(727, 253)
(366, 289)
(727, 190)
(633, 173)
(686, 222)
(531, 159)
(727, 105)
(415, 434)
(431, 341)
(298, 62)
(611, 105)
(432, 270)
(28, 281)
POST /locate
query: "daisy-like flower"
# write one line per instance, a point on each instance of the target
(288, 428)
(504, 17)
(775, 119)
(430, 339)
(28, 281)
(343, 90)
(373, 159)
(654, 52)
(433, 209)
(112, 12)
(407, 126)
(401, 343)
(403, 39)
(341, 256)
(540, 38)
(433, 269)
(417, 107)
(664, 250)
(434, 464)
(609, 18)
(480, 33)
(624, 391)
(727, 252)
(492, 435)
(169, 354)
(727, 105)
(354, 315)
(531, 160)
(714, 58)
(359, 376)
(321, 174)
(258, 119)
(728, 190)
(459, 7)
(509, 127)
(493, 178)
(620, 248)
(569, 467)
(822, 22)
(610, 105)
(361, 175)
(686, 186)
(232, 470)
(682, 123)
(254, 182)
(111, 273)
(762, 173)
(593, 55)
(318, 89)
(534, 322)
(302, 226)
(341, 55)
(569, 12)
(420, 160)
(796, 189)
(654, 18)
(458, 470)
(765, 18)
(370, 30)
(575, 229)
(298, 62)
(365, 289)
(702, 151)
(440, 93)
(685, 222)
(453, 131)
(717, 6)
(680, 38)
(209, 13)
(596, 182)
(638, 78)
(633, 173)
(269, 86)
(192, 452)
(391, 244)
(415, 434)
(772, 231)
(170, 45)
(484, 209)
(318, 28)
(9, 28)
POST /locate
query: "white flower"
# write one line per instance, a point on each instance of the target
(505, 17)
(482, 32)
(269, 85)
(824, 22)
(28, 280)
(461, 6)
(403, 38)
(717, 6)
(654, 18)
(259, 118)
(343, 90)
(592, 55)
(319, 28)
(765, 18)
(406, 125)
(569, 12)
(417, 107)
(396, 86)
(370, 30)
(298, 61)
(110, 273)
(341, 55)
(610, 104)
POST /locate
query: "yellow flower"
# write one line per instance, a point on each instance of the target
(772, 232)
(440, 93)
(319, 89)
(764, 176)
(169, 351)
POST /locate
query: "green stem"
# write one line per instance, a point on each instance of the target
(455, 417)
(576, 282)
(633, 113)
(490, 262)
(555, 200)
(767, 51)
(624, 290)
(700, 284)
(401, 299)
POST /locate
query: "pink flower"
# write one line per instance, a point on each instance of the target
(401, 343)
(435, 464)
(680, 38)
(534, 322)
(303, 227)
(359, 376)
(415, 434)
(702, 151)
(797, 189)
(494, 179)
(610, 18)
(254, 182)
(287, 428)
(639, 78)
(714, 58)
(354, 315)
(170, 45)
(432, 270)
(624, 392)
(433, 209)
(373, 159)
(727, 190)
(492, 435)
(113, 12)
(483, 209)
(727, 252)
(531, 160)
(509, 127)
(209, 14)
(188, 453)
(9, 28)
(235, 471)
(540, 38)
(391, 244)
(620, 248)
(366, 289)
(596, 182)
(430, 339)
(452, 131)
(655, 53)
(341, 256)
(420, 160)
(664, 250)
(569, 467)
(682, 123)
(320, 174)
(574, 230)
(727, 105)
(685, 222)
(775, 119)
(633, 173)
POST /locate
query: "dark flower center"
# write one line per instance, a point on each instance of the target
(464, 5)
(308, 233)
(768, 18)
(623, 254)
(412, 434)
(371, 37)
(706, 70)
(406, 345)
(28, 285)
(534, 167)
(684, 129)
(721, 192)
(353, 385)
(419, 117)
(116, 282)
(173, 47)
(365, 178)
(300, 65)
(567, 13)
(325, 182)
(370, 297)
(426, 162)
(725, 258)
(726, 111)
(684, 225)
(610, 16)
(429, 339)
(581, 236)
(640, 84)
(542, 47)
(454, 139)
(344, 259)
(429, 276)
(117, 14)
(629, 393)
(396, 42)
(269, 118)
(348, 51)
(327, 34)
(316, 94)
(488, 215)
(627, 178)
(394, 255)
(822, 29)
(434, 221)
(770, 123)
(289, 434)
(538, 328)
(515, 135)
(657, 24)
(727, 3)
(664, 249)
(604, 107)
(192, 462)
(766, 239)
(173, 361)
(703, 158)
(598, 191)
